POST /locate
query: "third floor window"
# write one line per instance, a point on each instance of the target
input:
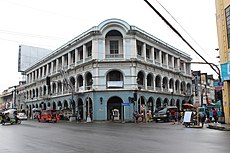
(114, 45)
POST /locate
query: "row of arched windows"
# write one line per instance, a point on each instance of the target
(114, 78)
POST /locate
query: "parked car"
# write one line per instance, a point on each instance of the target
(164, 114)
(22, 116)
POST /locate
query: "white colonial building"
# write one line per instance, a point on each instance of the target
(111, 66)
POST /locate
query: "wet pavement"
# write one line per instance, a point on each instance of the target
(105, 137)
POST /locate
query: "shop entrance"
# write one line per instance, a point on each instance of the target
(114, 107)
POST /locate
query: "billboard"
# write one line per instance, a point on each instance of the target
(28, 56)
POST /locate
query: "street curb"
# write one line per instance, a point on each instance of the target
(216, 127)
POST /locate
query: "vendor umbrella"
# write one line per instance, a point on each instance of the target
(187, 105)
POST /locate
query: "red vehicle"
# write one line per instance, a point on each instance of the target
(49, 116)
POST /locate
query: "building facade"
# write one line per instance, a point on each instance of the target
(223, 31)
(111, 66)
(203, 89)
(8, 98)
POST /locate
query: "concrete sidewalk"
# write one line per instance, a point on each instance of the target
(219, 126)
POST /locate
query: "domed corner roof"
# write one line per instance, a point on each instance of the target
(108, 22)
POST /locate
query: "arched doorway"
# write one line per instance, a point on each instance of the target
(54, 106)
(141, 105)
(150, 104)
(114, 103)
(158, 103)
(48, 105)
(166, 102)
(59, 105)
(80, 108)
(66, 104)
(172, 102)
(44, 106)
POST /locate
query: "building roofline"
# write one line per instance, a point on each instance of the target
(97, 29)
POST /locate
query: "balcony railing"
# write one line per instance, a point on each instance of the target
(118, 84)
(80, 61)
(140, 57)
(149, 60)
(150, 87)
(157, 62)
(158, 88)
(88, 58)
(114, 56)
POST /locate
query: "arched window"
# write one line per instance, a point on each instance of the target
(114, 79)
(114, 44)
(88, 81)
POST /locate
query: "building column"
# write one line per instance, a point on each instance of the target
(144, 51)
(160, 58)
(62, 62)
(84, 53)
(69, 60)
(52, 67)
(167, 60)
(152, 51)
(76, 56)
(173, 66)
(57, 64)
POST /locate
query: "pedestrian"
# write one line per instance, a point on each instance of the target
(135, 116)
(178, 117)
(207, 116)
(214, 115)
(112, 115)
(173, 115)
(202, 119)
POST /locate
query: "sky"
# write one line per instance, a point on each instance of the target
(51, 23)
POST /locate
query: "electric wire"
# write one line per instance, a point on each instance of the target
(30, 35)
(183, 28)
(28, 43)
(177, 32)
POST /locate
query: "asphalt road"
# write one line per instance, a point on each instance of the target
(66, 137)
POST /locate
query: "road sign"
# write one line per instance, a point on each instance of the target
(126, 104)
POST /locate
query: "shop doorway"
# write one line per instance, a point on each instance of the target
(80, 109)
(114, 104)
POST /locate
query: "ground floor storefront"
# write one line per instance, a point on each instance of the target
(105, 105)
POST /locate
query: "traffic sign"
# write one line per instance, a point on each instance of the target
(125, 104)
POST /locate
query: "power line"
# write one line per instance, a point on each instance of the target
(30, 35)
(16, 41)
(177, 32)
(183, 28)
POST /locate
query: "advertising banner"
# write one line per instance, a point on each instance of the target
(225, 71)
